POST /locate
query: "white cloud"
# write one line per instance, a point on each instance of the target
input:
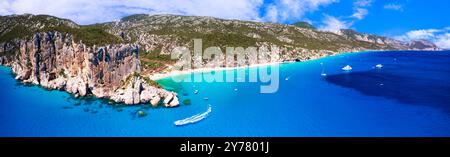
(443, 41)
(292, 10)
(360, 9)
(440, 37)
(427, 34)
(360, 13)
(333, 24)
(92, 11)
(397, 7)
(422, 34)
(363, 3)
(4, 9)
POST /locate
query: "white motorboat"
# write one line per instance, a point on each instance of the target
(347, 68)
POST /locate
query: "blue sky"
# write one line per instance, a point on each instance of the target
(400, 19)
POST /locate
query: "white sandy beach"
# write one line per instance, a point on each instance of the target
(173, 73)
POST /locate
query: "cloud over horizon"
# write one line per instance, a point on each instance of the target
(334, 24)
(440, 37)
(95, 11)
(288, 10)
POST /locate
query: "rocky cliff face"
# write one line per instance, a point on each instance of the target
(423, 45)
(388, 42)
(55, 61)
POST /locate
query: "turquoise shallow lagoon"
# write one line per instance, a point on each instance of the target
(409, 96)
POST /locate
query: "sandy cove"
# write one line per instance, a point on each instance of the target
(173, 73)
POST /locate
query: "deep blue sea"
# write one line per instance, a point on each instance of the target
(409, 96)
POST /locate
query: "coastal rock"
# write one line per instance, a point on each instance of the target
(155, 101)
(54, 61)
(137, 90)
(175, 102)
(171, 100)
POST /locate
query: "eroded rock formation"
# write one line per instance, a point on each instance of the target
(53, 60)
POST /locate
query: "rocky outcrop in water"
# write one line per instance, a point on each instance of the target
(53, 60)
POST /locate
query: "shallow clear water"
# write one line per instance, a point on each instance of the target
(409, 96)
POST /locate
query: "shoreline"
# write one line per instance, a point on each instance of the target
(160, 76)
(174, 73)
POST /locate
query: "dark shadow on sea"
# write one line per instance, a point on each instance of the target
(414, 90)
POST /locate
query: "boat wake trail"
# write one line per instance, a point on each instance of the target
(194, 118)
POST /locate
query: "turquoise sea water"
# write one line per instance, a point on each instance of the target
(409, 96)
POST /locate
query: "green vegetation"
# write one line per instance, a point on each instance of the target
(89, 35)
(151, 82)
(8, 53)
(15, 33)
(62, 73)
(155, 55)
(146, 79)
(152, 65)
(25, 26)
(220, 38)
(153, 60)
(304, 25)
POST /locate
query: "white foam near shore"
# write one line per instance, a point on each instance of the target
(194, 118)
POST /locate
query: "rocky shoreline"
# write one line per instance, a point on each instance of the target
(54, 61)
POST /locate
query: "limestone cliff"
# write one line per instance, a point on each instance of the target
(55, 61)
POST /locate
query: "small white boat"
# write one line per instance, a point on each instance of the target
(194, 118)
(379, 66)
(347, 68)
(236, 89)
(287, 78)
(196, 92)
(205, 98)
(323, 71)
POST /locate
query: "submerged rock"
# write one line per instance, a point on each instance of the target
(187, 101)
(141, 113)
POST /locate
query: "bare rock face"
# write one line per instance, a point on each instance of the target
(155, 100)
(423, 45)
(53, 60)
(136, 90)
(171, 100)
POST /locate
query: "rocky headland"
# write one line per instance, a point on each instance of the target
(55, 61)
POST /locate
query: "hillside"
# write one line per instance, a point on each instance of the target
(157, 35)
